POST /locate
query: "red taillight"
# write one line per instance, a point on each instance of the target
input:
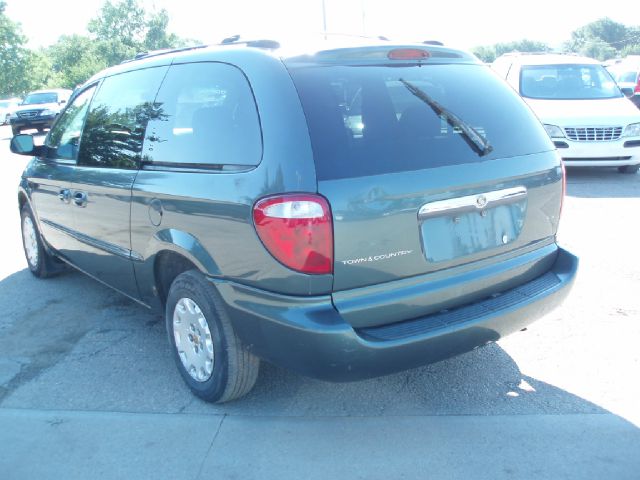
(637, 89)
(297, 230)
(408, 54)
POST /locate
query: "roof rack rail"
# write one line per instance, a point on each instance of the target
(273, 44)
(164, 51)
(257, 43)
(433, 42)
(354, 35)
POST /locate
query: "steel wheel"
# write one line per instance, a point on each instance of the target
(193, 339)
(210, 357)
(30, 239)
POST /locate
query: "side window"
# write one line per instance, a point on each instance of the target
(209, 119)
(64, 139)
(116, 123)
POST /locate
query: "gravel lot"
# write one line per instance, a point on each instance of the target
(69, 346)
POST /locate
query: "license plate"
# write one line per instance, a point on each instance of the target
(467, 225)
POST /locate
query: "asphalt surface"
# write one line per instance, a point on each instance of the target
(88, 388)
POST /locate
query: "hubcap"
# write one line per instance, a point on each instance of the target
(30, 241)
(193, 339)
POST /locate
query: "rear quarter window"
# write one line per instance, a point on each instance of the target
(209, 119)
(364, 120)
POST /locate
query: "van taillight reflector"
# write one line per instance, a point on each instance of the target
(408, 54)
(297, 230)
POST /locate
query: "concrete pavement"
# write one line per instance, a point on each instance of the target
(100, 445)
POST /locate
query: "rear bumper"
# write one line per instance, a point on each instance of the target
(308, 335)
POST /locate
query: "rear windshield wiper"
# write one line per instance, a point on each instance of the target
(474, 138)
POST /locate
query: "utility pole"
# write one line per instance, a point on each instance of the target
(324, 20)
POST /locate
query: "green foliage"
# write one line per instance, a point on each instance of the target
(15, 59)
(490, 53)
(604, 39)
(124, 21)
(74, 59)
(121, 29)
(598, 49)
(157, 37)
(631, 50)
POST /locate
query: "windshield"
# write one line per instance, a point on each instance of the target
(567, 82)
(369, 120)
(36, 98)
(4, 104)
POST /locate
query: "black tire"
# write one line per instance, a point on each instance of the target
(629, 168)
(235, 370)
(44, 264)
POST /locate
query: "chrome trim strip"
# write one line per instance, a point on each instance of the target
(99, 244)
(470, 203)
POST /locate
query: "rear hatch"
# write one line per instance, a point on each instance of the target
(432, 167)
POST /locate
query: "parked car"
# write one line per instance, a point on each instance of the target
(626, 72)
(584, 112)
(7, 107)
(342, 222)
(38, 110)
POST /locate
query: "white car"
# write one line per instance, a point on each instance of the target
(7, 107)
(582, 108)
(626, 72)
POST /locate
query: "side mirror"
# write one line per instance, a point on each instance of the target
(628, 91)
(23, 145)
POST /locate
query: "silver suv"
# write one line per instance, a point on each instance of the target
(38, 110)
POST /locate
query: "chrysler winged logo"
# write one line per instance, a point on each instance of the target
(481, 201)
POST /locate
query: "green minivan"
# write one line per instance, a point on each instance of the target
(345, 212)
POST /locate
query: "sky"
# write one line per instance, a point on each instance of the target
(463, 24)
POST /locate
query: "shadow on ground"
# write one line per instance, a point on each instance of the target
(76, 345)
(602, 183)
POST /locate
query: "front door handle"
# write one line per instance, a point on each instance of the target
(80, 199)
(64, 195)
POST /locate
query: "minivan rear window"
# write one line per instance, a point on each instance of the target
(369, 120)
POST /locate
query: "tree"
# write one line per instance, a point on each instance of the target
(631, 50)
(40, 72)
(598, 49)
(123, 29)
(14, 57)
(604, 39)
(124, 22)
(603, 30)
(490, 53)
(75, 59)
(156, 36)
